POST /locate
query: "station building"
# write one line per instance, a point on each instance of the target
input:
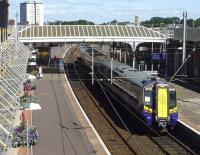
(192, 66)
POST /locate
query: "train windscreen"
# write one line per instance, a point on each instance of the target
(148, 98)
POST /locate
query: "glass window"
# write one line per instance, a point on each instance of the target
(148, 97)
(172, 96)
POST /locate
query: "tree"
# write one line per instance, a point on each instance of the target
(156, 21)
(190, 22)
(78, 22)
(197, 22)
(159, 21)
(153, 22)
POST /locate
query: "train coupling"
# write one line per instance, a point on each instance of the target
(162, 124)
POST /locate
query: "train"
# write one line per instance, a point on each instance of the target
(153, 98)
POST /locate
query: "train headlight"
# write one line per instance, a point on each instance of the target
(174, 110)
(147, 109)
(148, 88)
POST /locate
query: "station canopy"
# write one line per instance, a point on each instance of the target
(89, 33)
(13, 64)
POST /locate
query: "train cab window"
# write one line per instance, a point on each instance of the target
(148, 98)
(172, 95)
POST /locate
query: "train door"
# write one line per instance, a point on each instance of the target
(162, 102)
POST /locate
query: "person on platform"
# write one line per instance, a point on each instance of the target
(40, 72)
(55, 61)
(26, 89)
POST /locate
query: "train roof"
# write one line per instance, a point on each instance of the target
(137, 77)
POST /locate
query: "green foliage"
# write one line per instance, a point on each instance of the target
(78, 22)
(153, 22)
(34, 72)
(85, 22)
(115, 22)
(160, 21)
(19, 135)
(197, 22)
(28, 99)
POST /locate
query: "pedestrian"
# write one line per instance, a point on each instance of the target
(40, 72)
(55, 61)
(26, 89)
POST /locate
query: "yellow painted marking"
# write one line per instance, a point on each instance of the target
(162, 103)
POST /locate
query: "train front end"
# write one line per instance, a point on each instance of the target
(160, 105)
(166, 113)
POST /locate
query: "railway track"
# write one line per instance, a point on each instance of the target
(168, 143)
(138, 140)
(112, 138)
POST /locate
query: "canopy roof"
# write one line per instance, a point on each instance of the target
(89, 33)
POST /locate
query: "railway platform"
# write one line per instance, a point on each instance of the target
(189, 108)
(63, 127)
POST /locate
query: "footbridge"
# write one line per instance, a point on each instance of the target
(89, 33)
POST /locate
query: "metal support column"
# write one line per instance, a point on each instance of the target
(111, 70)
(92, 65)
(152, 67)
(184, 35)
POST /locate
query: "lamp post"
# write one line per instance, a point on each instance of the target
(111, 71)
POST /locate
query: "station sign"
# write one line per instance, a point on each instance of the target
(159, 56)
(156, 56)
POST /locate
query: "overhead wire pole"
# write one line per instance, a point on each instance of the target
(134, 50)
(152, 67)
(111, 71)
(184, 35)
(92, 65)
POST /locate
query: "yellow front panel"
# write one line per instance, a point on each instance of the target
(162, 111)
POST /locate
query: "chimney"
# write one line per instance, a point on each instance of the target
(137, 21)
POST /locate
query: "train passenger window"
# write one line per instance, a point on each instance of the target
(172, 95)
(148, 98)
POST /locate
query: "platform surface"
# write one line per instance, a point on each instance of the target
(61, 133)
(189, 107)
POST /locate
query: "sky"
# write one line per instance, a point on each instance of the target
(100, 11)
